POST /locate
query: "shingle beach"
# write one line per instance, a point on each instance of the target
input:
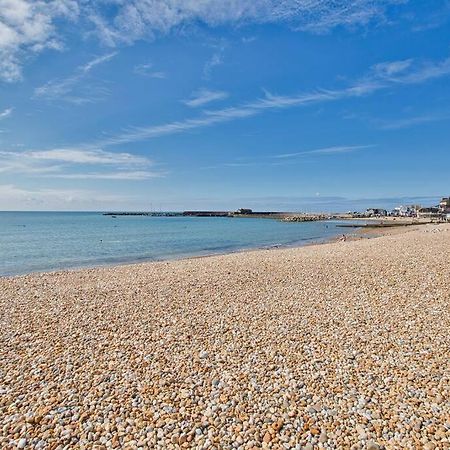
(340, 345)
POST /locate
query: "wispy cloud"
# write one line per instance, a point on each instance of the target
(388, 69)
(97, 61)
(433, 18)
(27, 27)
(81, 156)
(289, 158)
(326, 151)
(16, 198)
(16, 162)
(321, 17)
(71, 164)
(426, 71)
(213, 117)
(6, 113)
(407, 122)
(215, 60)
(120, 175)
(204, 96)
(234, 165)
(147, 70)
(375, 81)
(63, 89)
(404, 72)
(136, 19)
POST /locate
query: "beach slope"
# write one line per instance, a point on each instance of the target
(341, 345)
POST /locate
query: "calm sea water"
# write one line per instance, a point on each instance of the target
(42, 241)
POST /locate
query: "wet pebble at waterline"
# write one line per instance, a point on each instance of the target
(342, 345)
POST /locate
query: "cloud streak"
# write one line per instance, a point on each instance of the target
(325, 151)
(290, 158)
(64, 88)
(16, 198)
(204, 96)
(97, 61)
(389, 69)
(66, 164)
(147, 70)
(78, 156)
(124, 176)
(380, 77)
(411, 121)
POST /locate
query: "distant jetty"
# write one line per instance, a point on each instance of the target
(238, 213)
(243, 212)
(143, 213)
(305, 218)
(206, 213)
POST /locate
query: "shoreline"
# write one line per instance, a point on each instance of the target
(355, 234)
(179, 257)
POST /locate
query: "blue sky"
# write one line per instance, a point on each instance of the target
(288, 105)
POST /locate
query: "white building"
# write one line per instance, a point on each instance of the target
(404, 211)
(444, 205)
(375, 212)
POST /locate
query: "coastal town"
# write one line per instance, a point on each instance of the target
(437, 213)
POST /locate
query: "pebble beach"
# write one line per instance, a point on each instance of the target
(343, 345)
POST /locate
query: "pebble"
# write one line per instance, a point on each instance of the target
(330, 346)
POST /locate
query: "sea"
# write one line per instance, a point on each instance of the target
(48, 241)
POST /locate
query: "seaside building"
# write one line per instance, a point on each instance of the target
(429, 213)
(405, 211)
(444, 205)
(375, 212)
(439, 212)
(244, 211)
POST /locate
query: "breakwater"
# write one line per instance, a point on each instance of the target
(305, 218)
(284, 216)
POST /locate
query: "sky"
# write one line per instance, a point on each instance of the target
(291, 105)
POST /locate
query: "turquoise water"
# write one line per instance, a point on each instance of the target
(42, 241)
